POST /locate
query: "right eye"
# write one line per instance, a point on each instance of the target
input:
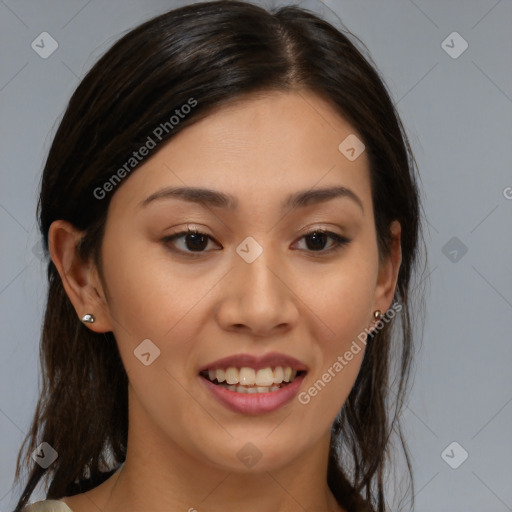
(194, 241)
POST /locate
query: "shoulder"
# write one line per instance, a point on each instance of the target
(47, 506)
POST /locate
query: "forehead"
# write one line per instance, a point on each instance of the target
(258, 148)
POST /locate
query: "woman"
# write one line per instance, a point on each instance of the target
(232, 218)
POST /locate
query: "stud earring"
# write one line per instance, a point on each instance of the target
(377, 314)
(88, 319)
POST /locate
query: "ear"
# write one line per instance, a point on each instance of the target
(388, 271)
(79, 278)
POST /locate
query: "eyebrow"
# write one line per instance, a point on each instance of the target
(215, 198)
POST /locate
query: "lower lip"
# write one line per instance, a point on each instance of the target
(254, 403)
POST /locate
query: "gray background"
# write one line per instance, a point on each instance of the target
(458, 114)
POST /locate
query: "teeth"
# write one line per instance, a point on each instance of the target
(263, 378)
(250, 389)
(278, 375)
(232, 376)
(247, 376)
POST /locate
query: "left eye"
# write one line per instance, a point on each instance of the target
(196, 241)
(318, 237)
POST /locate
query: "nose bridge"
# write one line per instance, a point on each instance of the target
(257, 296)
(257, 269)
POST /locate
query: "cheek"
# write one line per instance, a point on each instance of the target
(340, 296)
(152, 300)
(340, 352)
(341, 300)
(149, 294)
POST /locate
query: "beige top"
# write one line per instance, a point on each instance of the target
(47, 506)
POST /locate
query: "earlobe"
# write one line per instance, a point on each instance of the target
(388, 271)
(79, 277)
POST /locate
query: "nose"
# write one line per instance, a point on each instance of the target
(258, 298)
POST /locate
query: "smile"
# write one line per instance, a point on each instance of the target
(252, 380)
(250, 384)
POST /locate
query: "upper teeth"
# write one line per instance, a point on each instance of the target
(250, 377)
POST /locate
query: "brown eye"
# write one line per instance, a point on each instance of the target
(194, 241)
(318, 238)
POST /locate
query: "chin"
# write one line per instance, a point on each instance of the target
(248, 454)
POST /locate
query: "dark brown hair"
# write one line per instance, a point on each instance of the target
(214, 52)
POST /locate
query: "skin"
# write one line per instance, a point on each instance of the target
(295, 298)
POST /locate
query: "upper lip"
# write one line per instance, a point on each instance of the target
(257, 362)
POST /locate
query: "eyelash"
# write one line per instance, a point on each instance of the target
(340, 241)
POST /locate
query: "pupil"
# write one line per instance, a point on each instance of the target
(195, 238)
(315, 236)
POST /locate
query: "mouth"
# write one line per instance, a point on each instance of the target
(252, 380)
(249, 384)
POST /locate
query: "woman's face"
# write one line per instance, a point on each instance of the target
(257, 283)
